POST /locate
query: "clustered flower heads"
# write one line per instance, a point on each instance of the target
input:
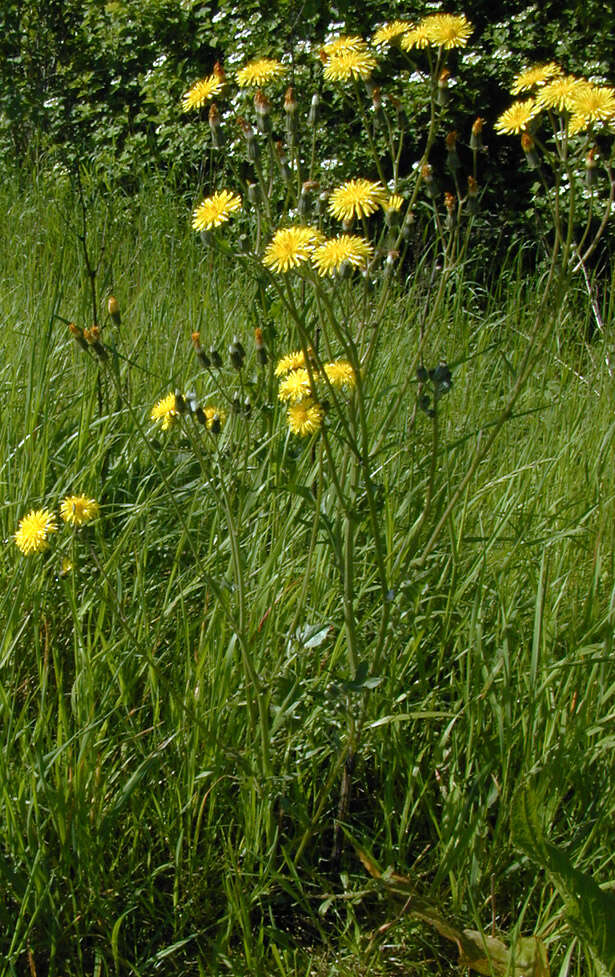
(305, 413)
(579, 104)
(35, 529)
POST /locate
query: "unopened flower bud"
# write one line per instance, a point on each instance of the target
(252, 193)
(259, 343)
(200, 352)
(283, 161)
(113, 308)
(77, 334)
(428, 180)
(237, 355)
(452, 156)
(442, 95)
(215, 357)
(92, 337)
(472, 195)
(180, 403)
(249, 135)
(476, 136)
(450, 202)
(307, 189)
(219, 73)
(247, 407)
(236, 403)
(591, 163)
(290, 113)
(215, 127)
(216, 424)
(200, 416)
(262, 107)
(529, 148)
(313, 113)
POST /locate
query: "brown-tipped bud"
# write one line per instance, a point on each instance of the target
(92, 338)
(215, 357)
(452, 156)
(476, 136)
(250, 138)
(450, 202)
(215, 128)
(305, 197)
(290, 111)
(77, 334)
(262, 107)
(313, 113)
(529, 148)
(442, 90)
(113, 308)
(200, 352)
(259, 343)
(427, 176)
(377, 107)
(591, 163)
(219, 73)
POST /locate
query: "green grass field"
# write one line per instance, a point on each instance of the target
(218, 692)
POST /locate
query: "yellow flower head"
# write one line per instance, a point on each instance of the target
(165, 411)
(517, 118)
(590, 104)
(289, 247)
(447, 30)
(215, 210)
(343, 44)
(356, 198)
(305, 418)
(349, 64)
(210, 415)
(391, 32)
(292, 361)
(201, 92)
(538, 74)
(33, 531)
(76, 510)
(340, 374)
(331, 255)
(417, 37)
(259, 72)
(559, 93)
(295, 386)
(393, 202)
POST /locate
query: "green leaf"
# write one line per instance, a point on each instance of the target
(589, 909)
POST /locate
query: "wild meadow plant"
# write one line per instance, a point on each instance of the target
(301, 411)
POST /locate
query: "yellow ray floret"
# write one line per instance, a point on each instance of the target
(517, 118)
(391, 32)
(215, 210)
(33, 531)
(165, 411)
(591, 104)
(537, 74)
(559, 93)
(349, 64)
(295, 386)
(329, 257)
(305, 418)
(201, 92)
(259, 72)
(77, 510)
(356, 198)
(289, 247)
(447, 30)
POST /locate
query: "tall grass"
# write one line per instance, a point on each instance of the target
(168, 806)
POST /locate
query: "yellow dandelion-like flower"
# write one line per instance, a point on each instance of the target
(391, 32)
(295, 386)
(538, 74)
(201, 92)
(331, 255)
(165, 411)
(215, 210)
(292, 361)
(210, 416)
(589, 104)
(305, 418)
(356, 198)
(447, 30)
(340, 374)
(343, 44)
(76, 510)
(517, 118)
(418, 37)
(259, 72)
(349, 64)
(289, 247)
(393, 202)
(559, 93)
(33, 531)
